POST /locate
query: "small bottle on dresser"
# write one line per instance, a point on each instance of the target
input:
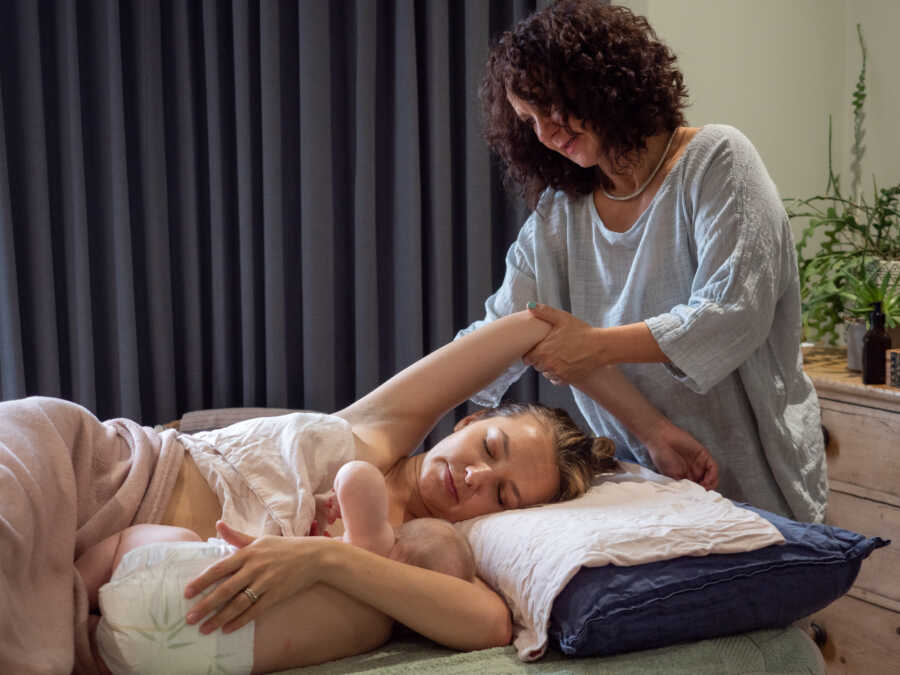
(876, 342)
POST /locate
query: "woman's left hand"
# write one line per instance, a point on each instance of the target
(272, 568)
(569, 353)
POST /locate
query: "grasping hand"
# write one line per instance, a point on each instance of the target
(678, 455)
(271, 568)
(569, 353)
(327, 511)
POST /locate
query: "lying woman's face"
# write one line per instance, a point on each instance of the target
(489, 465)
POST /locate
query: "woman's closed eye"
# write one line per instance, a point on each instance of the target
(487, 448)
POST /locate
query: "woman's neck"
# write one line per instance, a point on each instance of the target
(629, 180)
(402, 481)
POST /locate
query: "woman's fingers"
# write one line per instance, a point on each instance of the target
(224, 594)
(711, 475)
(237, 610)
(214, 573)
(547, 313)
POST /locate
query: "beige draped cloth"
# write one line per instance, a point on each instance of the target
(67, 481)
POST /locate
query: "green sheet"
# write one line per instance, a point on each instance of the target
(787, 650)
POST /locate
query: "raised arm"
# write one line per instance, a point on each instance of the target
(395, 417)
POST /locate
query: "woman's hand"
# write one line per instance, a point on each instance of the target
(678, 455)
(272, 568)
(569, 353)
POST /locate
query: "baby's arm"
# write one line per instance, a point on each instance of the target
(363, 500)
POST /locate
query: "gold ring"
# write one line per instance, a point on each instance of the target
(250, 593)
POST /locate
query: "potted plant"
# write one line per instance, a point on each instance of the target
(857, 235)
(870, 285)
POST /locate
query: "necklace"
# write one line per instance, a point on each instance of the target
(652, 175)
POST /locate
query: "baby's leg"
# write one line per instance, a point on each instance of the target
(96, 564)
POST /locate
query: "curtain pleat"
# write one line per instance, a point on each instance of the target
(34, 249)
(364, 258)
(207, 204)
(12, 361)
(320, 313)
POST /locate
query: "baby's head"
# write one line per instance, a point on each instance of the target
(434, 544)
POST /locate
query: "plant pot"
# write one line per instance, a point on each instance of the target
(853, 336)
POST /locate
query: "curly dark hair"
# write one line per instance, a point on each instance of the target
(595, 62)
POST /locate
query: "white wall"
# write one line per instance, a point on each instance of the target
(880, 20)
(776, 68)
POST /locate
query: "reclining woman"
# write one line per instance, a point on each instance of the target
(496, 459)
(137, 579)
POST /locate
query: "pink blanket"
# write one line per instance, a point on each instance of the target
(67, 481)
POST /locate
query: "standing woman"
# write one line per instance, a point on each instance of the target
(657, 246)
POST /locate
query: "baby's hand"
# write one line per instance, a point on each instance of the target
(327, 511)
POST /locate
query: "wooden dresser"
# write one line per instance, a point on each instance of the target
(862, 628)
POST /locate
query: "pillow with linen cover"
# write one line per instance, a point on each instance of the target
(670, 562)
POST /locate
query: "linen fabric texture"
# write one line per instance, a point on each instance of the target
(607, 610)
(67, 481)
(630, 518)
(265, 471)
(142, 629)
(710, 268)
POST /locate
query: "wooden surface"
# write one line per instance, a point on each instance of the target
(863, 422)
(828, 369)
(860, 638)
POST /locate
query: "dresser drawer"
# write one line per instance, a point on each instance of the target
(880, 572)
(864, 446)
(862, 639)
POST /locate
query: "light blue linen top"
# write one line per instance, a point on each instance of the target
(710, 267)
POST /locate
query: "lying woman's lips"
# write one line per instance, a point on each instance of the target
(448, 481)
(567, 148)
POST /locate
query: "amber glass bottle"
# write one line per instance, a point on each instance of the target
(876, 342)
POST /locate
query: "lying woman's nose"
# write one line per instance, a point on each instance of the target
(475, 473)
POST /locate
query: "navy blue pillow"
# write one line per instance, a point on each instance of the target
(606, 610)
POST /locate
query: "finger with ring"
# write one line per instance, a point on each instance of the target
(250, 593)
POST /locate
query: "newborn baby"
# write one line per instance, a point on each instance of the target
(362, 501)
(138, 578)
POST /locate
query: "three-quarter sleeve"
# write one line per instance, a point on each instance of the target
(741, 235)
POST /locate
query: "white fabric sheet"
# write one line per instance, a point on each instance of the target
(266, 470)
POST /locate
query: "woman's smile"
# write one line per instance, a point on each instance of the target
(451, 486)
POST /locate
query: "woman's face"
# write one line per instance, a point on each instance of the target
(489, 465)
(581, 145)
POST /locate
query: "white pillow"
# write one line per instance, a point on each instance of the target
(628, 518)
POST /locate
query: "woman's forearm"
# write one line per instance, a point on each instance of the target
(629, 343)
(453, 612)
(615, 392)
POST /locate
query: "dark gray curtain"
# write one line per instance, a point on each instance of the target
(208, 204)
